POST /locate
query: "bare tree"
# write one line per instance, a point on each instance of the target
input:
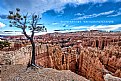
(25, 22)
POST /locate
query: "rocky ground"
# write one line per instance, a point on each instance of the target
(20, 73)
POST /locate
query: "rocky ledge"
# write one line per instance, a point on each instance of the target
(21, 73)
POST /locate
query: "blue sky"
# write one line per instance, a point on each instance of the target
(66, 15)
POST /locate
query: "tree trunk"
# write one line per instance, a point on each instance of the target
(33, 52)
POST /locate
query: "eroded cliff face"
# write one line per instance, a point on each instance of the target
(54, 57)
(86, 63)
(111, 59)
(90, 62)
(90, 65)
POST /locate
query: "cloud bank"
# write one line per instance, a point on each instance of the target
(41, 6)
(82, 16)
(100, 27)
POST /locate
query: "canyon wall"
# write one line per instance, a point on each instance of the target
(54, 57)
(89, 62)
(86, 63)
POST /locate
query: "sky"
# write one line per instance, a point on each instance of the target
(65, 15)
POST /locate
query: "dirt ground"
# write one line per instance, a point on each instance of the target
(21, 73)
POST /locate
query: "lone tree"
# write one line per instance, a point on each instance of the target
(26, 22)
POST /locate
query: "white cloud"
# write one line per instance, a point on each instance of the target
(55, 23)
(105, 13)
(93, 15)
(83, 1)
(117, 14)
(100, 27)
(2, 25)
(106, 28)
(40, 6)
